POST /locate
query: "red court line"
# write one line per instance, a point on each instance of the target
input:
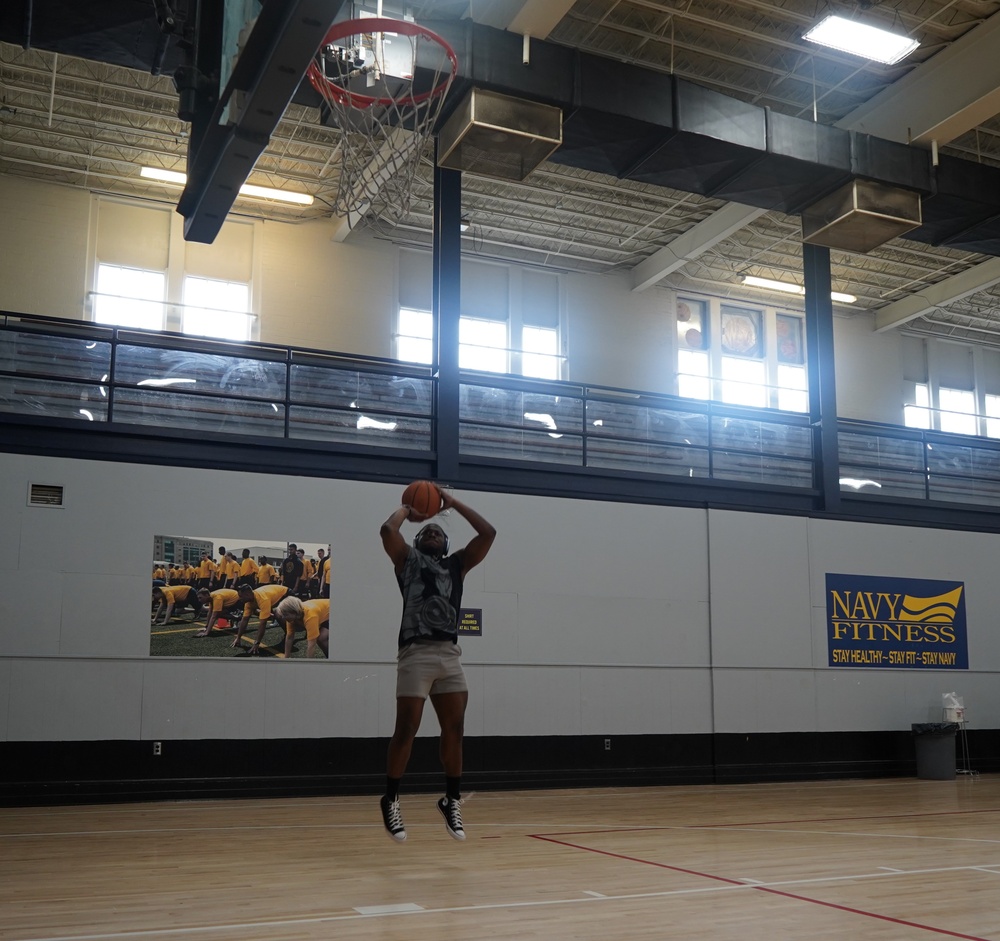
(754, 888)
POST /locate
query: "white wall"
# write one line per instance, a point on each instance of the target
(317, 293)
(598, 618)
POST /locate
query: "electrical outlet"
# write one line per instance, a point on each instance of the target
(607, 744)
(157, 748)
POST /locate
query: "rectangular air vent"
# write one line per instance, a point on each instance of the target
(494, 135)
(45, 495)
(860, 216)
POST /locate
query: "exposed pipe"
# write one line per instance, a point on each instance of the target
(52, 90)
(29, 11)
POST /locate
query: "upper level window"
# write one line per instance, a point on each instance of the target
(144, 278)
(992, 416)
(415, 336)
(741, 355)
(955, 411)
(130, 297)
(483, 344)
(918, 413)
(216, 309)
(540, 353)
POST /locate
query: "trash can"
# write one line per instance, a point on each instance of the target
(935, 743)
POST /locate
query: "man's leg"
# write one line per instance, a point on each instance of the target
(450, 709)
(409, 710)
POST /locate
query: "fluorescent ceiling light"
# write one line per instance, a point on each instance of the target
(164, 176)
(247, 189)
(861, 39)
(787, 287)
(266, 192)
(754, 282)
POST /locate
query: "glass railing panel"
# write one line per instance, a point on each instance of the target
(978, 490)
(520, 408)
(211, 373)
(354, 427)
(642, 423)
(761, 437)
(986, 462)
(203, 414)
(354, 388)
(949, 459)
(61, 357)
(882, 451)
(562, 413)
(48, 398)
(486, 405)
(883, 481)
(761, 469)
(521, 445)
(644, 457)
(677, 427)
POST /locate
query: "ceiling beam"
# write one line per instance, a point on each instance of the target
(699, 238)
(952, 92)
(535, 18)
(970, 281)
(284, 38)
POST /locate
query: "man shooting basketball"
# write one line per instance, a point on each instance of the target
(429, 659)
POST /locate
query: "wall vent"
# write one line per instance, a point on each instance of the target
(45, 495)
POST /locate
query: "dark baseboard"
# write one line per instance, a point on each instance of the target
(39, 773)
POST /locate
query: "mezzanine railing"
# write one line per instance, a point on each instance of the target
(67, 370)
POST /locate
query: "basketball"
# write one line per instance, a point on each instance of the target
(423, 498)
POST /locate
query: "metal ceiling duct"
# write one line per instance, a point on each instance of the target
(860, 216)
(499, 136)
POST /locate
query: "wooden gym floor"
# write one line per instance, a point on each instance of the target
(892, 859)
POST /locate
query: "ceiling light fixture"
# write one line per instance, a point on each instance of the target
(247, 189)
(767, 284)
(861, 39)
(463, 224)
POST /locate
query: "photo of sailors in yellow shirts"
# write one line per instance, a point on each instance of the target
(224, 597)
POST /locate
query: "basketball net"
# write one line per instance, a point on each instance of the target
(366, 71)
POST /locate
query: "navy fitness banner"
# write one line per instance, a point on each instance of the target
(896, 622)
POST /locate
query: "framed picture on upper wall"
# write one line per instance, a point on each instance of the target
(741, 332)
(791, 349)
(692, 324)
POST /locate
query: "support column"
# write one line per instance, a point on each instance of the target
(447, 312)
(822, 379)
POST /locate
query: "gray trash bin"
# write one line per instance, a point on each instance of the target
(935, 743)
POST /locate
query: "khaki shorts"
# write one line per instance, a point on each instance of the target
(429, 667)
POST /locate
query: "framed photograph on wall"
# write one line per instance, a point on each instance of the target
(741, 332)
(790, 346)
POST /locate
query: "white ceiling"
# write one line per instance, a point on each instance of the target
(90, 124)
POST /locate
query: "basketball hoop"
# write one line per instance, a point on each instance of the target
(384, 82)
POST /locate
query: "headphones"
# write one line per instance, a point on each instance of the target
(447, 541)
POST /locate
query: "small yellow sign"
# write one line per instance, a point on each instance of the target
(470, 622)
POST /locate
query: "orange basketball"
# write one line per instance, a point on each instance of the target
(423, 498)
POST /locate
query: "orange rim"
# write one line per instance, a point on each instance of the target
(379, 25)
